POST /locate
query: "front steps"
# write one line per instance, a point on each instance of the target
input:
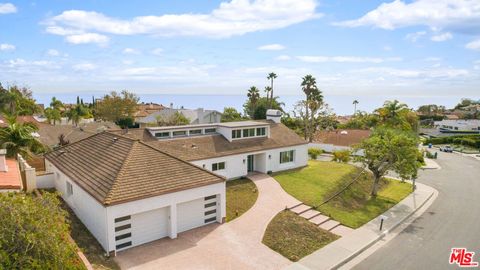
(320, 220)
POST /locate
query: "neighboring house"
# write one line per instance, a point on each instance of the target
(128, 193)
(10, 178)
(458, 126)
(340, 139)
(197, 116)
(230, 149)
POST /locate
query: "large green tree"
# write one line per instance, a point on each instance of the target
(17, 100)
(34, 233)
(313, 103)
(230, 114)
(18, 138)
(258, 110)
(389, 150)
(116, 106)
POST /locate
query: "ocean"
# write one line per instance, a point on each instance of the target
(340, 104)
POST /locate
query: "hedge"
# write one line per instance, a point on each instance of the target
(469, 140)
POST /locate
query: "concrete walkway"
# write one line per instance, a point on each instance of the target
(234, 245)
(344, 249)
(430, 164)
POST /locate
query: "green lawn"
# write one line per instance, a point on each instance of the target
(294, 237)
(241, 196)
(354, 207)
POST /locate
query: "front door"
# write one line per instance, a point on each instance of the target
(250, 162)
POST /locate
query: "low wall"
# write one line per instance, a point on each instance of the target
(328, 147)
(45, 180)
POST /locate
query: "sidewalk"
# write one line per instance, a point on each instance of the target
(430, 164)
(346, 248)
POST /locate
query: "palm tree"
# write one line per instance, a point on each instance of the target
(271, 76)
(393, 108)
(309, 86)
(355, 102)
(18, 138)
(253, 96)
(76, 114)
(268, 90)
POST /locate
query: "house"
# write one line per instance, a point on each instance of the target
(197, 116)
(458, 126)
(10, 178)
(127, 192)
(231, 149)
(340, 139)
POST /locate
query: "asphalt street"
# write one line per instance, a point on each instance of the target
(453, 220)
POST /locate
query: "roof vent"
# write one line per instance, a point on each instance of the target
(194, 146)
(344, 132)
(115, 139)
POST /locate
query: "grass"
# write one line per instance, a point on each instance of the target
(241, 196)
(353, 207)
(294, 237)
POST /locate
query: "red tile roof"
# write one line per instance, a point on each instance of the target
(344, 137)
(11, 179)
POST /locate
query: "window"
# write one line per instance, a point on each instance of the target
(211, 212)
(69, 189)
(195, 132)
(249, 132)
(123, 227)
(210, 197)
(210, 130)
(218, 166)
(210, 219)
(261, 131)
(236, 134)
(179, 133)
(127, 244)
(286, 156)
(120, 219)
(162, 134)
(210, 204)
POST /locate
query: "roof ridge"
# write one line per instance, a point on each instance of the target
(179, 159)
(70, 144)
(120, 173)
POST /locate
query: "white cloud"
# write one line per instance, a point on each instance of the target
(476, 65)
(283, 57)
(413, 37)
(130, 51)
(474, 45)
(436, 73)
(157, 51)
(53, 52)
(387, 48)
(346, 59)
(87, 38)
(236, 17)
(6, 8)
(459, 15)
(6, 47)
(84, 67)
(442, 37)
(271, 47)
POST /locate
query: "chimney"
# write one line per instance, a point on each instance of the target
(3, 161)
(200, 113)
(171, 105)
(274, 115)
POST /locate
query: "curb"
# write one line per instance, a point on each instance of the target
(383, 234)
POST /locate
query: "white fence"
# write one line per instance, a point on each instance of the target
(32, 180)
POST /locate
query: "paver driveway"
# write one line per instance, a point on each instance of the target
(234, 245)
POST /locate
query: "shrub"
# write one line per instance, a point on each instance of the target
(341, 156)
(34, 233)
(314, 152)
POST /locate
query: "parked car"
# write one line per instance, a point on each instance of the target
(446, 148)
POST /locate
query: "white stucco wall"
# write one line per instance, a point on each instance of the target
(86, 208)
(170, 200)
(235, 167)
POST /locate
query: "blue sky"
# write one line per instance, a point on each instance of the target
(401, 48)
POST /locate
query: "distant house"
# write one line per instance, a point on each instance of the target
(458, 126)
(128, 193)
(340, 139)
(197, 116)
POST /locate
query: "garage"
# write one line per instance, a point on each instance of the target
(196, 213)
(141, 228)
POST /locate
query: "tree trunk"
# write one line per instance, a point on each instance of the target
(307, 120)
(376, 180)
(271, 94)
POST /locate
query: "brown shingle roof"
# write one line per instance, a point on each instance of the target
(335, 137)
(115, 169)
(204, 147)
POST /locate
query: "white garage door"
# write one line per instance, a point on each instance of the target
(133, 230)
(196, 213)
